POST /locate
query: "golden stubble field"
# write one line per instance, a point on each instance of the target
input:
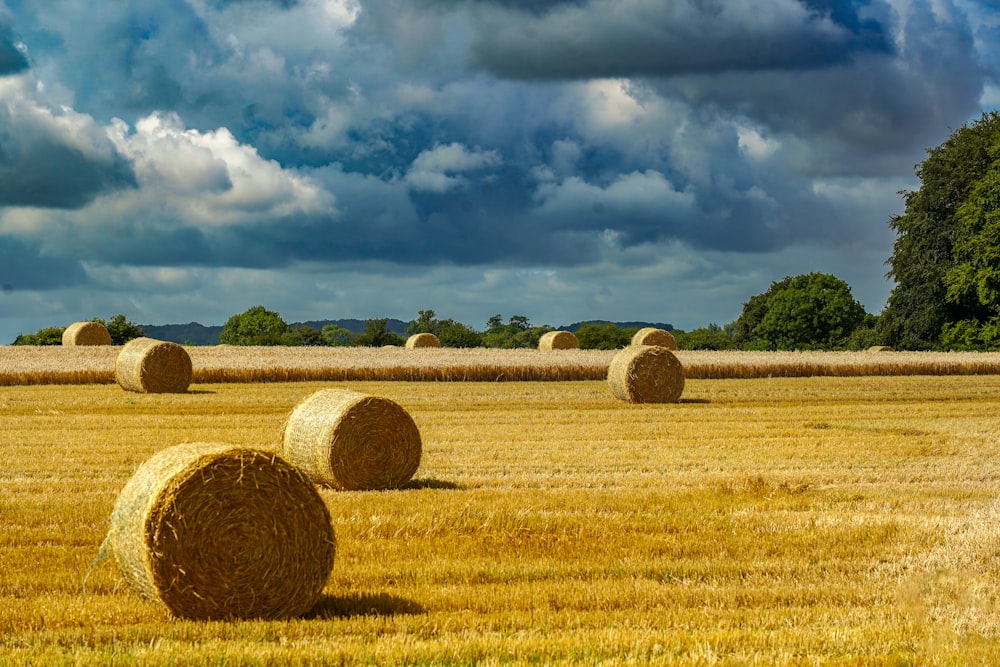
(773, 521)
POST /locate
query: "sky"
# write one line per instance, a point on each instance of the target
(565, 160)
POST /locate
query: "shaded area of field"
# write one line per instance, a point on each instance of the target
(21, 365)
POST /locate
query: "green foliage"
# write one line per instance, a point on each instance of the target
(456, 334)
(255, 326)
(605, 336)
(971, 335)
(46, 336)
(814, 311)
(943, 261)
(712, 337)
(426, 322)
(377, 334)
(121, 329)
(753, 312)
(866, 335)
(518, 332)
(303, 334)
(336, 336)
(449, 332)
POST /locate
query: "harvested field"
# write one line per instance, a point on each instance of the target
(21, 365)
(781, 521)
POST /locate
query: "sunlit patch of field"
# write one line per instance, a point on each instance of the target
(21, 365)
(781, 521)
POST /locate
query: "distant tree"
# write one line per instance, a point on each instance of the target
(121, 329)
(753, 312)
(943, 261)
(46, 336)
(449, 332)
(866, 335)
(606, 336)
(426, 322)
(336, 336)
(255, 326)
(377, 334)
(814, 311)
(712, 337)
(494, 322)
(518, 332)
(456, 334)
(519, 322)
(303, 335)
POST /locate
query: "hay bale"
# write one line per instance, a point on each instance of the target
(646, 374)
(558, 340)
(422, 340)
(86, 333)
(349, 440)
(880, 348)
(217, 531)
(654, 336)
(150, 366)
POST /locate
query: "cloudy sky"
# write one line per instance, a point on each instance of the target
(561, 159)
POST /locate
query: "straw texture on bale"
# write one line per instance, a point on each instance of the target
(150, 366)
(880, 348)
(646, 374)
(558, 340)
(86, 333)
(217, 531)
(352, 441)
(654, 336)
(422, 340)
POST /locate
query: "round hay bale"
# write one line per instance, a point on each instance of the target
(86, 333)
(218, 531)
(880, 348)
(150, 366)
(349, 440)
(422, 340)
(558, 340)
(646, 374)
(654, 336)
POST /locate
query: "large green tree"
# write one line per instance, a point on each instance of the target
(255, 326)
(814, 311)
(936, 257)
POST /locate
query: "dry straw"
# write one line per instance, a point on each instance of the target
(86, 333)
(654, 336)
(217, 531)
(646, 374)
(151, 366)
(558, 340)
(422, 340)
(349, 440)
(880, 348)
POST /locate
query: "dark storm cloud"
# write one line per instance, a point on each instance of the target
(647, 38)
(22, 268)
(43, 163)
(12, 60)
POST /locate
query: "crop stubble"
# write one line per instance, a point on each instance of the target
(833, 520)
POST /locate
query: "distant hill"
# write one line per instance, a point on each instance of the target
(621, 325)
(192, 332)
(199, 334)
